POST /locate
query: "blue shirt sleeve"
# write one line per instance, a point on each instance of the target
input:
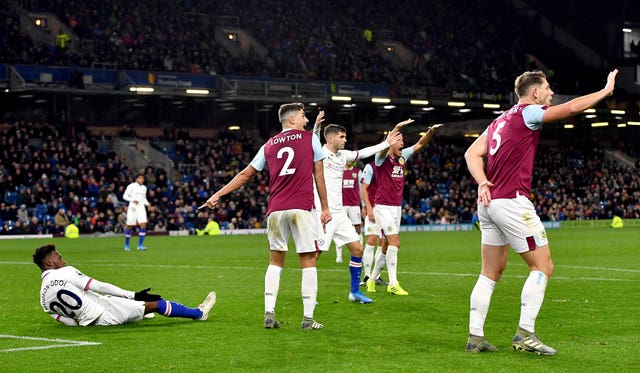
(407, 152)
(318, 154)
(366, 175)
(532, 116)
(259, 161)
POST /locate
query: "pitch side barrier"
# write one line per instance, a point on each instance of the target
(605, 223)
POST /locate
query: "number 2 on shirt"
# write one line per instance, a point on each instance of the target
(288, 151)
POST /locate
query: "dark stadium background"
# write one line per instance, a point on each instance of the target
(75, 103)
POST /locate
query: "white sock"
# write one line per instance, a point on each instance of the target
(381, 260)
(392, 264)
(339, 253)
(271, 286)
(532, 297)
(309, 290)
(479, 302)
(367, 259)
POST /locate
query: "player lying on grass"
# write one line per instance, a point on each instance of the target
(74, 299)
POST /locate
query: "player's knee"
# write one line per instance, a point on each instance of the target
(355, 249)
(549, 269)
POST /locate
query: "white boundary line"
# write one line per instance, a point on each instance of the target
(187, 266)
(59, 343)
(410, 273)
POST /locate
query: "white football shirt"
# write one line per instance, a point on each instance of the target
(334, 164)
(136, 192)
(65, 292)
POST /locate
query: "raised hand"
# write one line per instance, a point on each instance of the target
(611, 81)
(402, 124)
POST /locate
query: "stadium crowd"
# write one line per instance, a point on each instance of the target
(47, 183)
(324, 40)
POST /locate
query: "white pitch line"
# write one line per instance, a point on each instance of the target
(188, 266)
(59, 343)
(602, 268)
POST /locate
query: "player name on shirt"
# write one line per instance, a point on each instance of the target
(285, 138)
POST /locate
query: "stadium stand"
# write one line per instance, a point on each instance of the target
(448, 46)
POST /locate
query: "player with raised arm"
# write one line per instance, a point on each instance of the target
(340, 230)
(507, 216)
(136, 195)
(72, 298)
(294, 159)
(372, 233)
(390, 172)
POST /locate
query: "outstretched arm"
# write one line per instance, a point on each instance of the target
(424, 140)
(393, 137)
(318, 124)
(236, 183)
(580, 104)
(109, 289)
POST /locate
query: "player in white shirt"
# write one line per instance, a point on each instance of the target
(136, 195)
(340, 228)
(74, 299)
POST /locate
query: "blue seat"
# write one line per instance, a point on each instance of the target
(10, 197)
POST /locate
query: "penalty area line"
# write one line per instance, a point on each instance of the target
(58, 343)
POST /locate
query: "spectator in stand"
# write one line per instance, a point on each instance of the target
(61, 221)
(23, 214)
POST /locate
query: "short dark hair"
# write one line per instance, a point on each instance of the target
(528, 79)
(42, 252)
(333, 129)
(286, 108)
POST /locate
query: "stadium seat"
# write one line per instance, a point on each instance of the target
(10, 197)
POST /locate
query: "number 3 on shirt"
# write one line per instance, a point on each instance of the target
(288, 151)
(497, 138)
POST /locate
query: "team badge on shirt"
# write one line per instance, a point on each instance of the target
(401, 160)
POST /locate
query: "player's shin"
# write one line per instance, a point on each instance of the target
(309, 288)
(175, 309)
(355, 269)
(367, 259)
(479, 304)
(271, 287)
(532, 298)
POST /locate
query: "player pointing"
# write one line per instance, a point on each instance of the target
(507, 216)
(294, 159)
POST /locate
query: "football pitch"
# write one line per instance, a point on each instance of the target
(590, 313)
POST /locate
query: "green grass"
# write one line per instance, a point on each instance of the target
(590, 314)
